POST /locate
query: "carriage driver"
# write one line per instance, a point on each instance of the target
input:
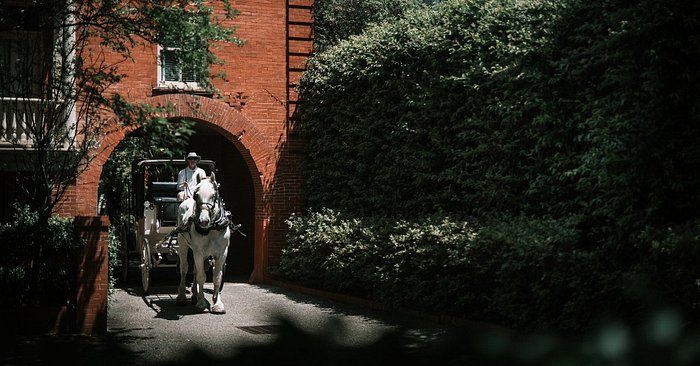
(187, 177)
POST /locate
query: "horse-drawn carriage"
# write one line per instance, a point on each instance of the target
(165, 234)
(155, 209)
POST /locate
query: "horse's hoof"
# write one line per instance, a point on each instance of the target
(218, 309)
(202, 306)
(181, 300)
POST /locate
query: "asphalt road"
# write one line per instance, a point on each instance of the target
(263, 324)
(159, 331)
(276, 325)
(281, 325)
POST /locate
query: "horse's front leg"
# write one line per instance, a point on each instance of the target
(185, 211)
(198, 284)
(217, 276)
(182, 250)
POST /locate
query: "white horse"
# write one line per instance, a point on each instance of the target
(208, 235)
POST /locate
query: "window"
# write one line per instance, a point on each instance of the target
(171, 74)
(23, 47)
(36, 59)
(183, 54)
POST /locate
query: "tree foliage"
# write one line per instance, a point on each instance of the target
(70, 53)
(336, 20)
(62, 59)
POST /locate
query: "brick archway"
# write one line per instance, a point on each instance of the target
(232, 125)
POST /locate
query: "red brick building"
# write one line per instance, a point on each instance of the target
(249, 132)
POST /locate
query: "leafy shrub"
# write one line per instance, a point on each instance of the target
(439, 265)
(38, 267)
(523, 272)
(323, 247)
(115, 246)
(535, 276)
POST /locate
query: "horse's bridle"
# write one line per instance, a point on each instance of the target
(215, 211)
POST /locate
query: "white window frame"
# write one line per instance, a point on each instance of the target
(173, 84)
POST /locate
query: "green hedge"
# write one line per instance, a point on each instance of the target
(481, 108)
(563, 131)
(38, 265)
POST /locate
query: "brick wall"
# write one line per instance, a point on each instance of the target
(92, 284)
(256, 114)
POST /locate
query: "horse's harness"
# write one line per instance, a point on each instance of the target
(221, 220)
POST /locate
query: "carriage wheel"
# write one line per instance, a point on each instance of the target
(145, 266)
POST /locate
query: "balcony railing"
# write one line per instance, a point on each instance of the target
(19, 115)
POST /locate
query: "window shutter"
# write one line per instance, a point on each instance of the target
(188, 75)
(169, 71)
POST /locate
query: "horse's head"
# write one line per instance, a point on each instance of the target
(206, 197)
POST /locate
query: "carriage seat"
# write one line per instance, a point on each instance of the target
(167, 211)
(163, 189)
(164, 196)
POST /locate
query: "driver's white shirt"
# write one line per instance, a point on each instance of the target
(190, 176)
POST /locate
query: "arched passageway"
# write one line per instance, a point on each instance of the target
(240, 151)
(237, 191)
(236, 188)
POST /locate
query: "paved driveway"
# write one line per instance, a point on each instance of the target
(265, 323)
